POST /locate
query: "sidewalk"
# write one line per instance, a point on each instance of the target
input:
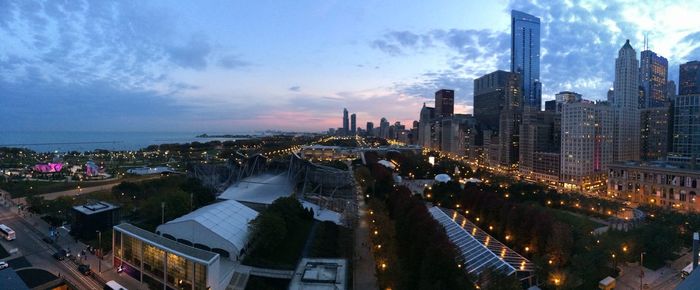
(364, 276)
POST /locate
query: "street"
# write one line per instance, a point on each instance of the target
(29, 245)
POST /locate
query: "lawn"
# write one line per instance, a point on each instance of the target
(25, 188)
(286, 256)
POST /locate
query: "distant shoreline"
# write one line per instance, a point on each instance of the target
(223, 136)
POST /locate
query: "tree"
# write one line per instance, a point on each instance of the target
(268, 231)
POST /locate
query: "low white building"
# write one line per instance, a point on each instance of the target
(221, 228)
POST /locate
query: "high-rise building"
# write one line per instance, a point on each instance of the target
(653, 78)
(685, 121)
(670, 89)
(424, 126)
(626, 132)
(586, 145)
(489, 96)
(384, 128)
(611, 95)
(370, 129)
(689, 78)
(550, 106)
(509, 123)
(444, 103)
(353, 124)
(540, 135)
(498, 111)
(566, 97)
(346, 122)
(525, 55)
(654, 123)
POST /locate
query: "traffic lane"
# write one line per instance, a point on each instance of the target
(40, 254)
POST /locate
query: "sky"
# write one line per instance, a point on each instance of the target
(238, 66)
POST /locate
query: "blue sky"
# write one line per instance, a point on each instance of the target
(227, 66)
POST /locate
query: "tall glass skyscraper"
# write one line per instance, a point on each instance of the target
(525, 55)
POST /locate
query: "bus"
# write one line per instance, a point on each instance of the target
(113, 285)
(7, 233)
(686, 271)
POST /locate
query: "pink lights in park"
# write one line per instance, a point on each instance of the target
(48, 167)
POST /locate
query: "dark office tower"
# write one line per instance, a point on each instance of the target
(525, 55)
(346, 123)
(654, 124)
(685, 121)
(689, 78)
(489, 98)
(670, 89)
(370, 128)
(384, 128)
(550, 106)
(444, 103)
(425, 126)
(497, 108)
(353, 124)
(611, 95)
(653, 77)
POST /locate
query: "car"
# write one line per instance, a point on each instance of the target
(84, 269)
(61, 254)
(4, 265)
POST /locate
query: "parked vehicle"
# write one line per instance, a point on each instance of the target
(4, 265)
(84, 269)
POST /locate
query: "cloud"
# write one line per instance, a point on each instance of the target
(194, 53)
(232, 62)
(295, 88)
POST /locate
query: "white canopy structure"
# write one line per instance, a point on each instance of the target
(442, 178)
(221, 227)
(388, 164)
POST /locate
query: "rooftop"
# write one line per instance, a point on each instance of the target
(95, 207)
(10, 280)
(263, 189)
(478, 249)
(219, 225)
(167, 244)
(319, 274)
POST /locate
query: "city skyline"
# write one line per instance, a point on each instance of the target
(183, 71)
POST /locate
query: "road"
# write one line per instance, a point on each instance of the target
(30, 246)
(84, 190)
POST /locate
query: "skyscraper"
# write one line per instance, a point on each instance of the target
(686, 120)
(444, 103)
(353, 125)
(525, 55)
(671, 89)
(653, 78)
(370, 129)
(689, 78)
(425, 126)
(626, 135)
(346, 122)
(489, 96)
(654, 124)
(384, 128)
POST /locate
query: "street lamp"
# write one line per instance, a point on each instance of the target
(99, 246)
(641, 269)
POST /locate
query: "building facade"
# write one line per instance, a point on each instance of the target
(162, 263)
(444, 103)
(686, 128)
(626, 131)
(654, 123)
(689, 78)
(657, 183)
(586, 145)
(353, 124)
(540, 139)
(346, 122)
(653, 78)
(525, 56)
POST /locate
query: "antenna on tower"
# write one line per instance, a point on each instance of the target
(646, 40)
